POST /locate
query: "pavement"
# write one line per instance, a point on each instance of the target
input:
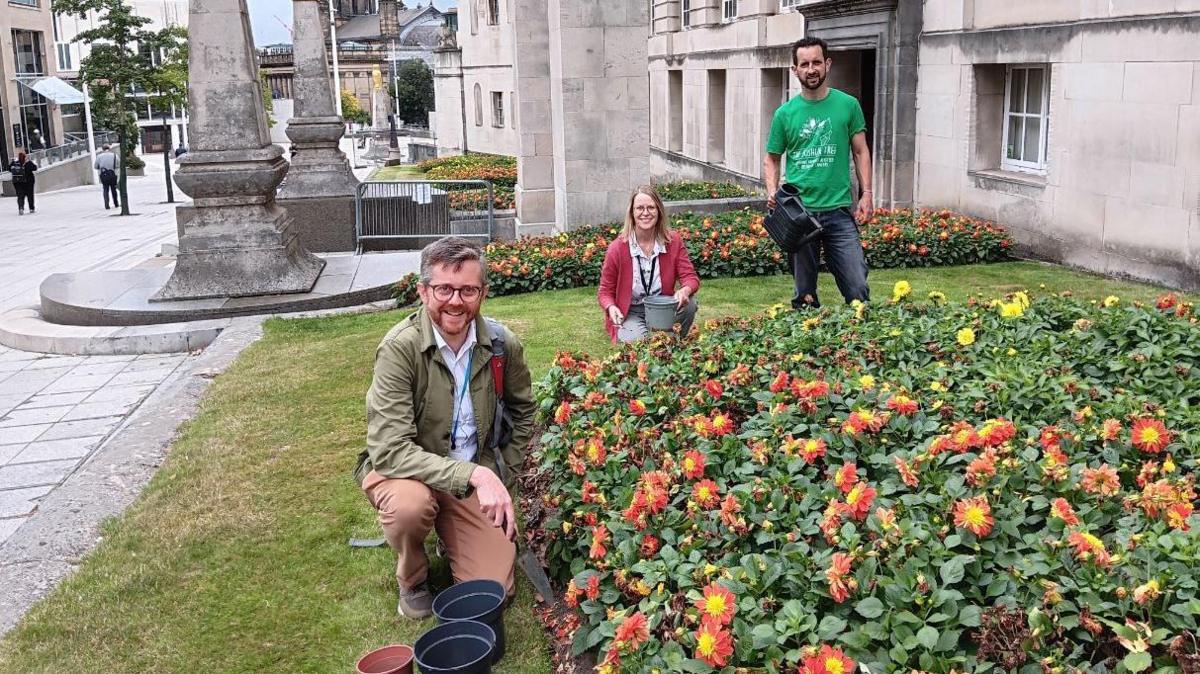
(80, 436)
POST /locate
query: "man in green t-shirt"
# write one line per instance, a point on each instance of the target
(817, 131)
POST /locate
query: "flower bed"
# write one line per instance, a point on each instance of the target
(975, 487)
(500, 169)
(689, 190)
(735, 244)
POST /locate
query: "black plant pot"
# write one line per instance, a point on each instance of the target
(460, 647)
(478, 600)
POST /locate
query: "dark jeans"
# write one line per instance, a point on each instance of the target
(843, 255)
(116, 200)
(25, 193)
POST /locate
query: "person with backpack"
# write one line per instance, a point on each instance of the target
(106, 163)
(436, 458)
(22, 170)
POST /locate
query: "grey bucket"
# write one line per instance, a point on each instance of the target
(660, 312)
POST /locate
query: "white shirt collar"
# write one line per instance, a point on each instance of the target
(443, 346)
(637, 251)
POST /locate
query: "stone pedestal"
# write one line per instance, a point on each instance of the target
(448, 91)
(320, 187)
(535, 193)
(236, 241)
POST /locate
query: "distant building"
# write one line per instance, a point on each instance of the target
(68, 54)
(473, 82)
(1076, 125)
(370, 35)
(29, 118)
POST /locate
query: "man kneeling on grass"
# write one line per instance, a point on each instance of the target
(429, 462)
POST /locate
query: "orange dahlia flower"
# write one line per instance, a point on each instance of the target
(1150, 435)
(974, 515)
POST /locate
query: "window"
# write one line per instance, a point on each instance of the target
(728, 10)
(1026, 116)
(785, 5)
(478, 105)
(27, 3)
(497, 109)
(685, 10)
(716, 116)
(675, 110)
(493, 12)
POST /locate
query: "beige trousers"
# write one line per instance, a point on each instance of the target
(409, 510)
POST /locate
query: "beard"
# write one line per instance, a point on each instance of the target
(813, 87)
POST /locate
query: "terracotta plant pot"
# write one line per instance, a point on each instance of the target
(478, 600)
(459, 647)
(394, 659)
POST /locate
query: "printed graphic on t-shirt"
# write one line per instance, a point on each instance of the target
(816, 148)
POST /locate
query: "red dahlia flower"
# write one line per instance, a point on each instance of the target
(593, 586)
(706, 494)
(1102, 481)
(636, 407)
(713, 644)
(600, 537)
(902, 404)
(562, 414)
(859, 500)
(1088, 547)
(841, 583)
(846, 477)
(1063, 511)
(974, 515)
(692, 464)
(828, 660)
(1150, 435)
(714, 388)
(633, 631)
(717, 604)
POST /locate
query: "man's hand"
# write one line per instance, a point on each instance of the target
(494, 501)
(770, 201)
(865, 207)
(615, 315)
(682, 295)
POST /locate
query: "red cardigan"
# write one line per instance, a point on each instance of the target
(616, 276)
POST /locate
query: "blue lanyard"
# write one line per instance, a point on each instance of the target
(458, 401)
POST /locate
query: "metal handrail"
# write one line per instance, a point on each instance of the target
(70, 150)
(420, 193)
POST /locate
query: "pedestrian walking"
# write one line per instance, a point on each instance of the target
(22, 169)
(106, 163)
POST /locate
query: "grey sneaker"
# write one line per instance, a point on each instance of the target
(415, 603)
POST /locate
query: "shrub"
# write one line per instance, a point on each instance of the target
(970, 487)
(687, 190)
(499, 169)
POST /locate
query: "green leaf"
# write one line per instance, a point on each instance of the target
(969, 616)
(763, 636)
(953, 570)
(1137, 662)
(928, 637)
(693, 666)
(898, 655)
(869, 608)
(830, 628)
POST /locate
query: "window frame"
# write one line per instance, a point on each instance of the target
(498, 109)
(493, 12)
(729, 11)
(685, 13)
(1022, 165)
(789, 6)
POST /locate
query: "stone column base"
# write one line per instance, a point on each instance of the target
(324, 224)
(239, 251)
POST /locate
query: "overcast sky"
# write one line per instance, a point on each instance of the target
(268, 18)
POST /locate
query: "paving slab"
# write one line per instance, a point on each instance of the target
(89, 382)
(80, 429)
(109, 408)
(33, 381)
(19, 475)
(112, 393)
(22, 434)
(58, 450)
(39, 415)
(7, 452)
(21, 502)
(53, 399)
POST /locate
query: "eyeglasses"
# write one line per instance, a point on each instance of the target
(645, 209)
(442, 292)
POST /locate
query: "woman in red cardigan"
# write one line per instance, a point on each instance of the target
(646, 259)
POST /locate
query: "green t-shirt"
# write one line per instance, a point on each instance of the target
(814, 137)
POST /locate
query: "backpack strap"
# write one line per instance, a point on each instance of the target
(498, 363)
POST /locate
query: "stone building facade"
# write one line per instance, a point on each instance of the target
(473, 82)
(26, 56)
(1074, 123)
(720, 68)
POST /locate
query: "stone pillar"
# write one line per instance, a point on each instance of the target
(450, 105)
(535, 157)
(599, 90)
(320, 186)
(234, 240)
(706, 13)
(389, 24)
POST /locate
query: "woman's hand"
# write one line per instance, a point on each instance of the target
(682, 295)
(614, 315)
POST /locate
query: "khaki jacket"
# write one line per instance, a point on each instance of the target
(410, 407)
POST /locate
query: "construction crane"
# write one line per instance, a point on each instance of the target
(291, 31)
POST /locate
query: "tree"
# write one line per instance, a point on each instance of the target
(121, 63)
(414, 92)
(352, 111)
(268, 99)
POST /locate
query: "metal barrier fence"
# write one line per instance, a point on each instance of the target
(423, 209)
(68, 150)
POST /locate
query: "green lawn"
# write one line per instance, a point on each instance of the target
(234, 559)
(403, 172)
